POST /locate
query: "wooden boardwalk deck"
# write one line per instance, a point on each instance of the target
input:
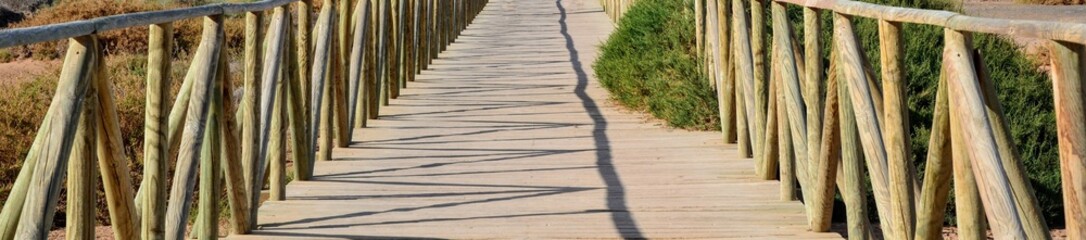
(509, 136)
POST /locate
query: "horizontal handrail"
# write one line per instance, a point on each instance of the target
(1074, 32)
(52, 32)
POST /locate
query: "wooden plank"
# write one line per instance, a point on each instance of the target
(1028, 209)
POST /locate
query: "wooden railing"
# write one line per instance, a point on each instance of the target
(823, 141)
(316, 87)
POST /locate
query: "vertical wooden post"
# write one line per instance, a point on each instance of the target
(852, 189)
(321, 75)
(342, 51)
(699, 28)
(793, 98)
(825, 171)
(237, 188)
(358, 65)
(82, 175)
(249, 112)
(896, 130)
(277, 143)
(373, 64)
(302, 49)
(726, 66)
(155, 144)
(275, 42)
(1068, 64)
(203, 71)
(296, 113)
(756, 89)
(931, 208)
(112, 163)
(976, 133)
(207, 224)
(822, 174)
(744, 77)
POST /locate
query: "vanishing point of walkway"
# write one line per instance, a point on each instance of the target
(508, 135)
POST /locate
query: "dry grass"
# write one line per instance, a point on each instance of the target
(123, 41)
(23, 104)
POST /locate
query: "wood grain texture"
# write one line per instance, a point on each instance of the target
(853, 190)
(976, 133)
(275, 43)
(939, 169)
(112, 163)
(744, 76)
(82, 175)
(969, 210)
(1067, 85)
(250, 100)
(1028, 209)
(203, 71)
(895, 129)
(156, 145)
(237, 188)
(867, 115)
(43, 189)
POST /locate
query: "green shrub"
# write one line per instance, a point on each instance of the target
(649, 64)
(641, 49)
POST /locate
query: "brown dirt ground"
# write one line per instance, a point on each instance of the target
(25, 70)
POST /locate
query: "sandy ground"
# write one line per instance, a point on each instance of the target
(24, 70)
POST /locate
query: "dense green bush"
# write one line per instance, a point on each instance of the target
(649, 63)
(646, 66)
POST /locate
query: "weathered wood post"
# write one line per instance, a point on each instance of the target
(744, 77)
(931, 208)
(203, 71)
(82, 174)
(866, 115)
(896, 130)
(275, 41)
(250, 112)
(358, 62)
(1068, 64)
(976, 133)
(155, 144)
(59, 130)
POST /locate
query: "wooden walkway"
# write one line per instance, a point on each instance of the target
(508, 135)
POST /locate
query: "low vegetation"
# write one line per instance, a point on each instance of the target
(649, 64)
(23, 104)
